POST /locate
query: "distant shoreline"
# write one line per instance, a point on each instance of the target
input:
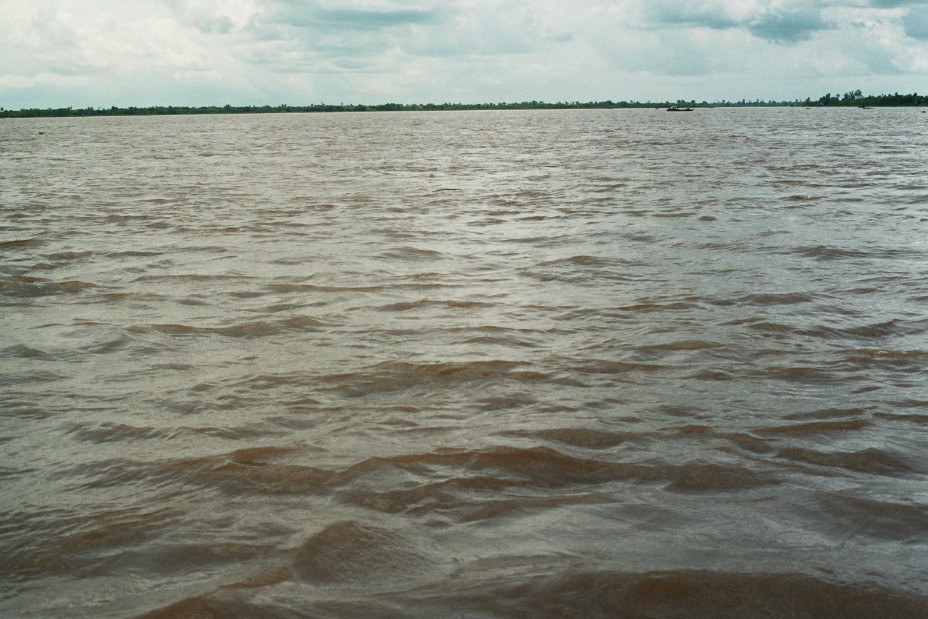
(848, 100)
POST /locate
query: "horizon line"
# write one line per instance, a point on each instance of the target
(847, 99)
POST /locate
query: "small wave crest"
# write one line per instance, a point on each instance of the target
(391, 376)
(259, 328)
(406, 306)
(351, 552)
(27, 287)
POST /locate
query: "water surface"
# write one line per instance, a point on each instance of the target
(610, 363)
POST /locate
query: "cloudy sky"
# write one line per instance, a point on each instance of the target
(254, 52)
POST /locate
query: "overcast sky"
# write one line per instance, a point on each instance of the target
(253, 52)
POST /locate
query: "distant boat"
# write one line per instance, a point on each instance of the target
(679, 109)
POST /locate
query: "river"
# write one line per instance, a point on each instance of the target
(574, 363)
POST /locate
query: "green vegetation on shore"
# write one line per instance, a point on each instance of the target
(848, 99)
(857, 98)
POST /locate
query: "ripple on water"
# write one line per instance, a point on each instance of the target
(524, 363)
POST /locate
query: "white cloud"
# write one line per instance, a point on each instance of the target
(103, 52)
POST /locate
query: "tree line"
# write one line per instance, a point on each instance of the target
(168, 110)
(855, 98)
(858, 98)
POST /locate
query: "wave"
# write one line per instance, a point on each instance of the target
(412, 254)
(25, 287)
(352, 552)
(586, 437)
(694, 594)
(815, 427)
(117, 432)
(260, 328)
(69, 255)
(605, 366)
(392, 376)
(322, 288)
(433, 481)
(843, 515)
(879, 357)
(21, 351)
(425, 303)
(803, 197)
(681, 345)
(174, 278)
(20, 243)
(781, 298)
(660, 305)
(828, 252)
(872, 460)
(582, 269)
(482, 588)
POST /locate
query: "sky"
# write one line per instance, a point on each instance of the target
(100, 53)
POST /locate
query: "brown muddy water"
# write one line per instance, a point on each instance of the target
(481, 364)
